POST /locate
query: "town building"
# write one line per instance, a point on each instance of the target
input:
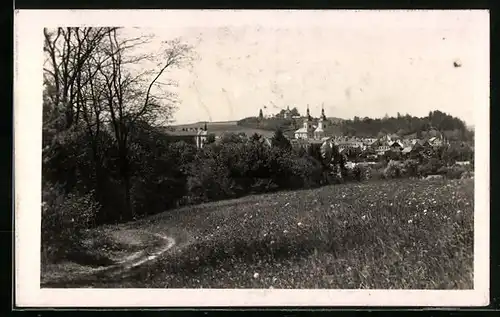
(195, 136)
(307, 130)
(381, 146)
(396, 146)
(288, 113)
(201, 137)
(313, 129)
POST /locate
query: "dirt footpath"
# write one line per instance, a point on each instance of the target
(125, 249)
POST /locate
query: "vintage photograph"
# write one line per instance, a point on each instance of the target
(336, 152)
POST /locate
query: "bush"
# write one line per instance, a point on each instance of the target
(159, 181)
(358, 173)
(64, 218)
(236, 169)
(393, 170)
(300, 172)
(410, 168)
(431, 167)
(455, 172)
(208, 178)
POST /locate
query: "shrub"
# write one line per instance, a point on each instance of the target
(279, 140)
(393, 170)
(159, 180)
(455, 172)
(432, 166)
(64, 218)
(208, 178)
(358, 173)
(410, 168)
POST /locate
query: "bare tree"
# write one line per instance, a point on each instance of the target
(97, 78)
(67, 51)
(131, 96)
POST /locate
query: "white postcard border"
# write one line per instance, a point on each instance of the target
(28, 39)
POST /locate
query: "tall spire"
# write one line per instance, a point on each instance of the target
(308, 115)
(205, 127)
(323, 112)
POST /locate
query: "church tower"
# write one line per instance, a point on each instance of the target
(319, 132)
(323, 117)
(308, 127)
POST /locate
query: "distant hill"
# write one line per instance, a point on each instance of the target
(200, 124)
(436, 122)
(220, 127)
(405, 126)
(271, 124)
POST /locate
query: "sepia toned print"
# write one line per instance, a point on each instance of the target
(262, 156)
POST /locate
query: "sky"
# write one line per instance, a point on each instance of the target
(352, 63)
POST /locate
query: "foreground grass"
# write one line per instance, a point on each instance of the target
(390, 234)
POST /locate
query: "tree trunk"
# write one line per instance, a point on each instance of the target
(100, 194)
(125, 175)
(128, 201)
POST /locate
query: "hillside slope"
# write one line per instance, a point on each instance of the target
(398, 234)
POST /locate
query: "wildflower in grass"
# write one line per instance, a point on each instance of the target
(410, 221)
(285, 231)
(349, 269)
(363, 217)
(299, 224)
(256, 275)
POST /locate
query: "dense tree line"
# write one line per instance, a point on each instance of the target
(270, 124)
(436, 122)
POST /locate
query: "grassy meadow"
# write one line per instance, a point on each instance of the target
(398, 234)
